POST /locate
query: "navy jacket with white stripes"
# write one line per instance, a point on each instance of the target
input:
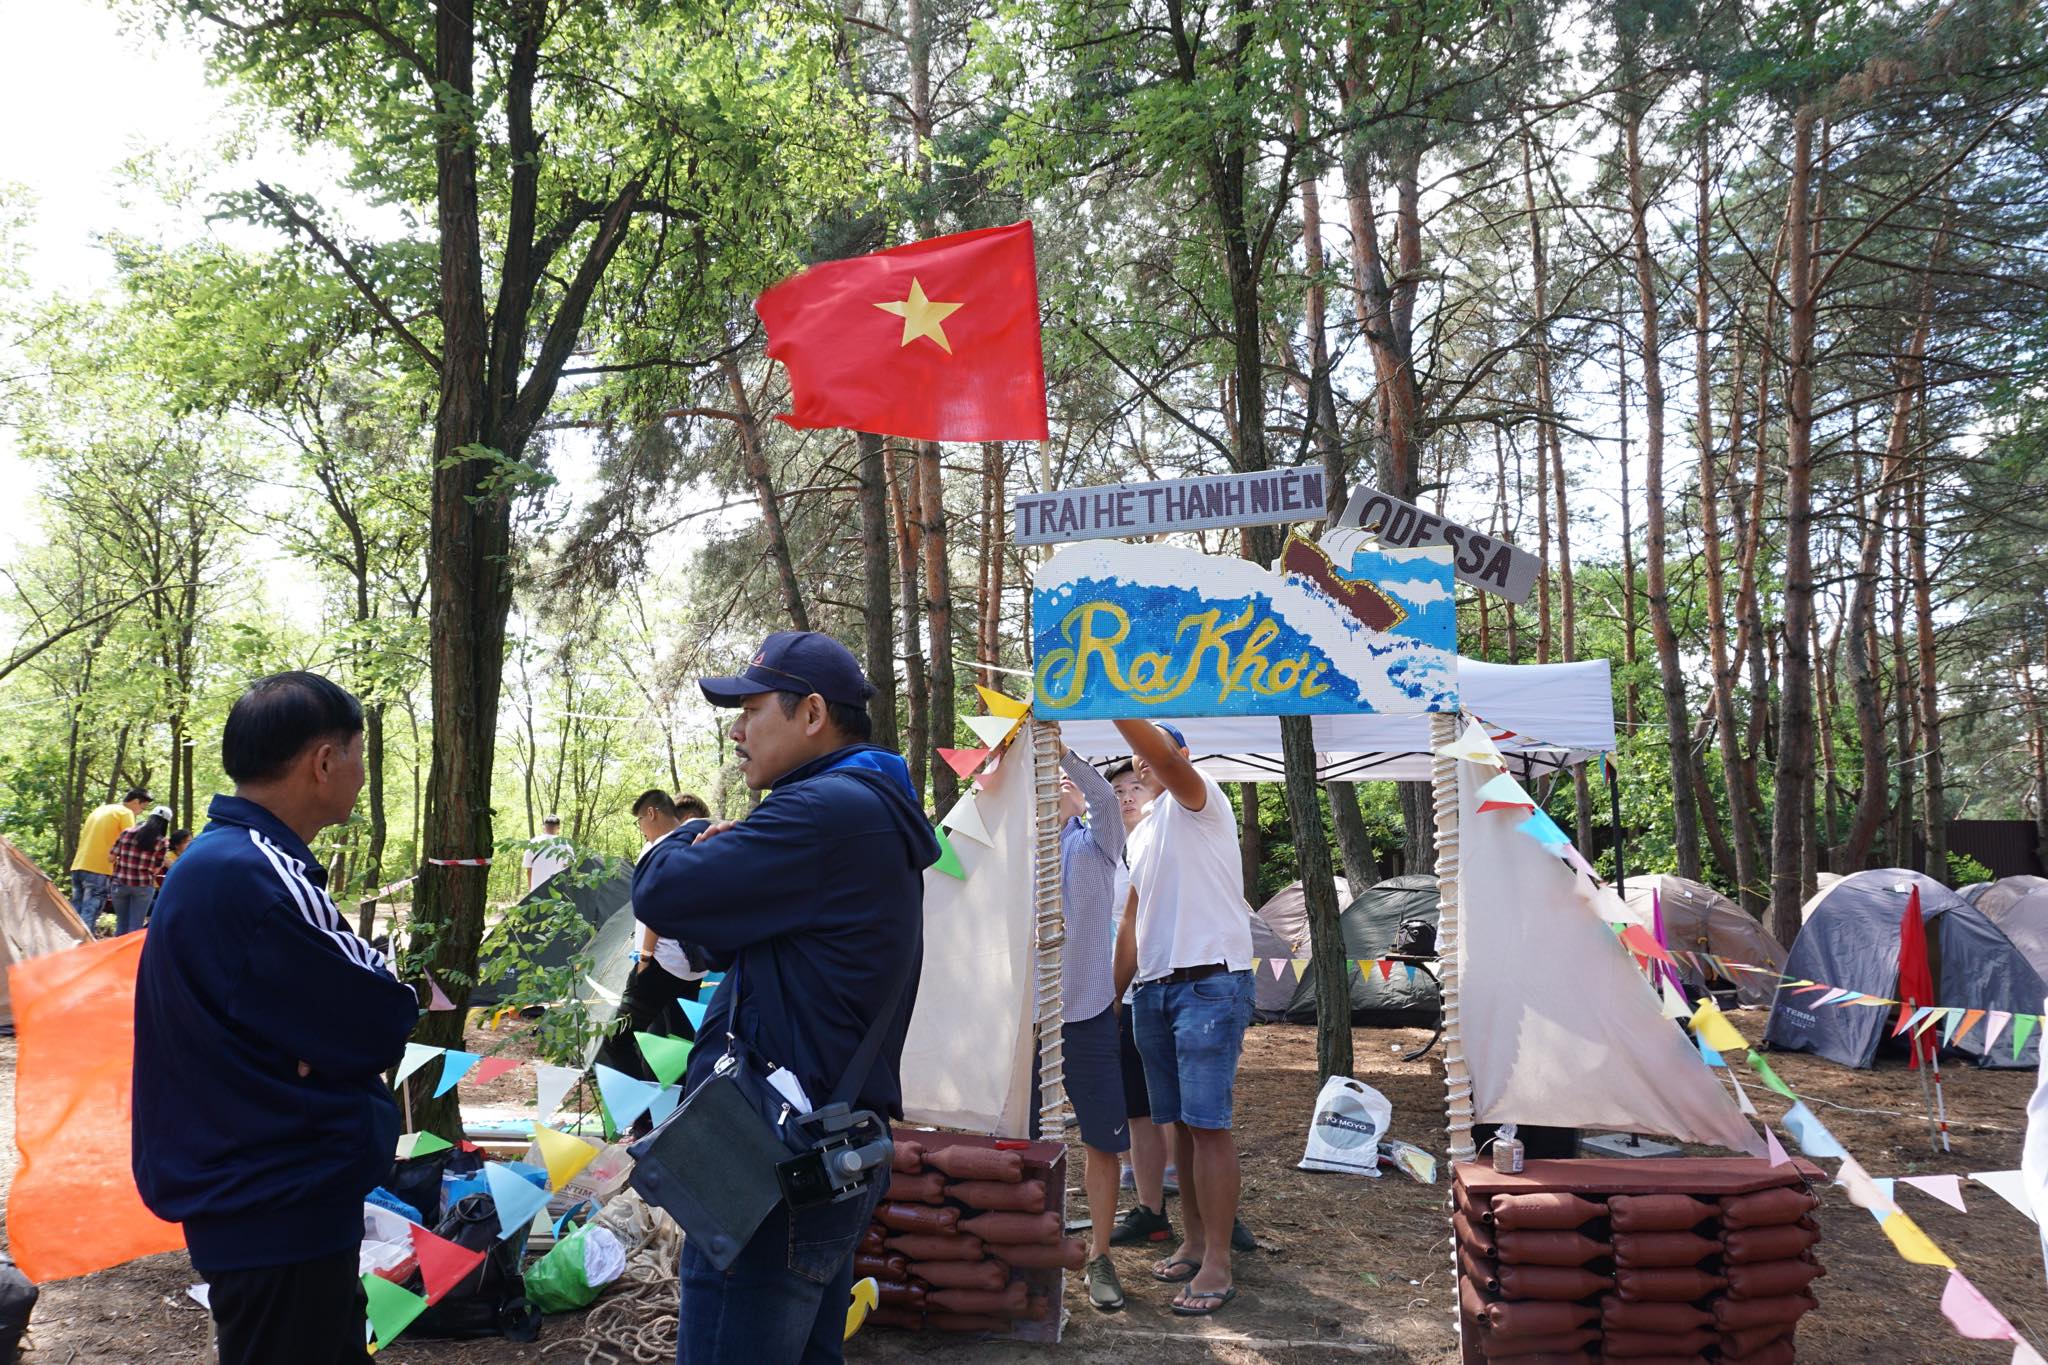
(248, 970)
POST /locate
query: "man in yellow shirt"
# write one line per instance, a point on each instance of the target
(92, 870)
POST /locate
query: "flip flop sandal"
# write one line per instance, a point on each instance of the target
(1182, 1308)
(1164, 1271)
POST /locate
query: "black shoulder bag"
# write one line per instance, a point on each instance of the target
(736, 1148)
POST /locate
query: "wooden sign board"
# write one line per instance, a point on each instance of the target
(1156, 630)
(1267, 498)
(1479, 560)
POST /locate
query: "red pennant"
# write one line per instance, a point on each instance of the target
(1638, 941)
(1386, 965)
(443, 1264)
(965, 762)
(489, 1069)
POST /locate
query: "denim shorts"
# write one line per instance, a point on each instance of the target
(1190, 1034)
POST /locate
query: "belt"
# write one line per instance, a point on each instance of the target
(1207, 969)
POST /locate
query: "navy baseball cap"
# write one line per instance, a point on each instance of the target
(800, 661)
(1180, 741)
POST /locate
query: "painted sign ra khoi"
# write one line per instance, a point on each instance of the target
(1340, 626)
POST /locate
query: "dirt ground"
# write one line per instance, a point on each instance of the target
(1347, 1267)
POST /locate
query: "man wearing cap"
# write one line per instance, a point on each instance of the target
(1187, 941)
(818, 898)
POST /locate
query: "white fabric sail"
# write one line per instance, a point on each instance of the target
(1558, 1025)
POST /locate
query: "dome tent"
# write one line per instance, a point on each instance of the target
(1851, 940)
(1369, 924)
(1699, 919)
(2023, 919)
(2002, 895)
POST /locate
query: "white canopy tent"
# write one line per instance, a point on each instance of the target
(1542, 717)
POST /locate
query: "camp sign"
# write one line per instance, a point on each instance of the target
(1478, 559)
(1122, 630)
(1266, 498)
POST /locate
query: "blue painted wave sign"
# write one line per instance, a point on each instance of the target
(1267, 498)
(1479, 560)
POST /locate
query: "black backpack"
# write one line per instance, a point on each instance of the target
(491, 1302)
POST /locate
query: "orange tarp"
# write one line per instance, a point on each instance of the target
(74, 1208)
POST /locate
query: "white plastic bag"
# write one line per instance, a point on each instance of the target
(1351, 1118)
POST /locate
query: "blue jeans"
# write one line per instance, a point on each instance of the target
(1190, 1034)
(131, 906)
(89, 896)
(784, 1300)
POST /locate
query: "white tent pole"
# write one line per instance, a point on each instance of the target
(1050, 927)
(1443, 733)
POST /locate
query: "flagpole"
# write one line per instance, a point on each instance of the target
(1054, 1112)
(1443, 734)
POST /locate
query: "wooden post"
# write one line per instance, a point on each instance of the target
(1050, 926)
(1443, 732)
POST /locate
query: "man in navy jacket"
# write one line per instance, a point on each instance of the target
(818, 897)
(263, 1025)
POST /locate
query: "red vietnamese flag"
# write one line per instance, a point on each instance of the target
(934, 341)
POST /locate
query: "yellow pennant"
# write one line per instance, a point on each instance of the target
(1001, 704)
(1913, 1244)
(564, 1154)
(1709, 1023)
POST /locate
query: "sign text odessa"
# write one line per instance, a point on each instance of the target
(1476, 558)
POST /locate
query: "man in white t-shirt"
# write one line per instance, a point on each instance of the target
(1186, 940)
(545, 856)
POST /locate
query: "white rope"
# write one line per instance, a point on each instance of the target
(1443, 733)
(1054, 1113)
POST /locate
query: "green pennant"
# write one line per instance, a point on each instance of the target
(426, 1144)
(1769, 1077)
(666, 1057)
(392, 1308)
(2022, 1026)
(949, 861)
(604, 1119)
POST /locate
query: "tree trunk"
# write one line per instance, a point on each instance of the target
(917, 738)
(1631, 645)
(1934, 823)
(1684, 811)
(1354, 840)
(1251, 840)
(938, 581)
(755, 459)
(1793, 806)
(877, 607)
(1860, 631)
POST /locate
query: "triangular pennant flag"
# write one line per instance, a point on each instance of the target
(1473, 746)
(1947, 1188)
(1637, 940)
(1863, 1191)
(554, 1083)
(1712, 1057)
(1888, 1187)
(1540, 827)
(1970, 1018)
(1257, 963)
(604, 992)
(965, 820)
(564, 1154)
(1674, 1002)
(438, 1001)
(1928, 1021)
(1769, 1077)
(1971, 1314)
(567, 1214)
(1742, 1100)
(625, 1097)
(1774, 1149)
(949, 861)
(1278, 966)
(416, 1056)
(966, 762)
(2009, 1186)
(992, 731)
(2022, 1025)
(1386, 966)
(693, 1010)
(490, 1068)
(443, 1264)
(1296, 963)
(1907, 1021)
(1811, 1134)
(1571, 855)
(666, 1057)
(454, 1066)
(1948, 1030)
(665, 1103)
(2024, 1354)
(1709, 1023)
(1994, 1024)
(1504, 793)
(391, 1308)
(422, 1144)
(518, 1199)
(1410, 966)
(1834, 995)
(1912, 1243)
(1002, 704)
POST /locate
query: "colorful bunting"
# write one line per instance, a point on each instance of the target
(966, 762)
(1971, 1314)
(604, 992)
(1742, 1100)
(2024, 1354)
(666, 1057)
(625, 1097)
(1912, 1243)
(443, 1264)
(416, 1056)
(438, 1002)
(1002, 704)
(1675, 1006)
(1970, 1018)
(391, 1308)
(965, 820)
(518, 1199)
(1775, 1149)
(1504, 793)
(2022, 1025)
(2009, 1186)
(1994, 1024)
(693, 1010)
(1637, 940)
(1947, 1188)
(1888, 1186)
(1473, 746)
(454, 1066)
(1578, 863)
(1769, 1077)
(490, 1068)
(1863, 1191)
(1543, 829)
(421, 1144)
(1811, 1134)
(664, 1104)
(555, 1084)
(1709, 1023)
(949, 861)
(564, 1154)
(993, 731)
(1386, 966)
(1711, 1057)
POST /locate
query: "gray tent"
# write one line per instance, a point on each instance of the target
(2023, 920)
(1369, 925)
(597, 904)
(2002, 895)
(1851, 940)
(1271, 990)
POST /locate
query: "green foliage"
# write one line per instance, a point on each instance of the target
(1963, 870)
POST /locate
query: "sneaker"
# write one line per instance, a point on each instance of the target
(1241, 1238)
(1104, 1292)
(1140, 1225)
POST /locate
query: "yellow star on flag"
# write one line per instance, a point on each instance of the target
(921, 316)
